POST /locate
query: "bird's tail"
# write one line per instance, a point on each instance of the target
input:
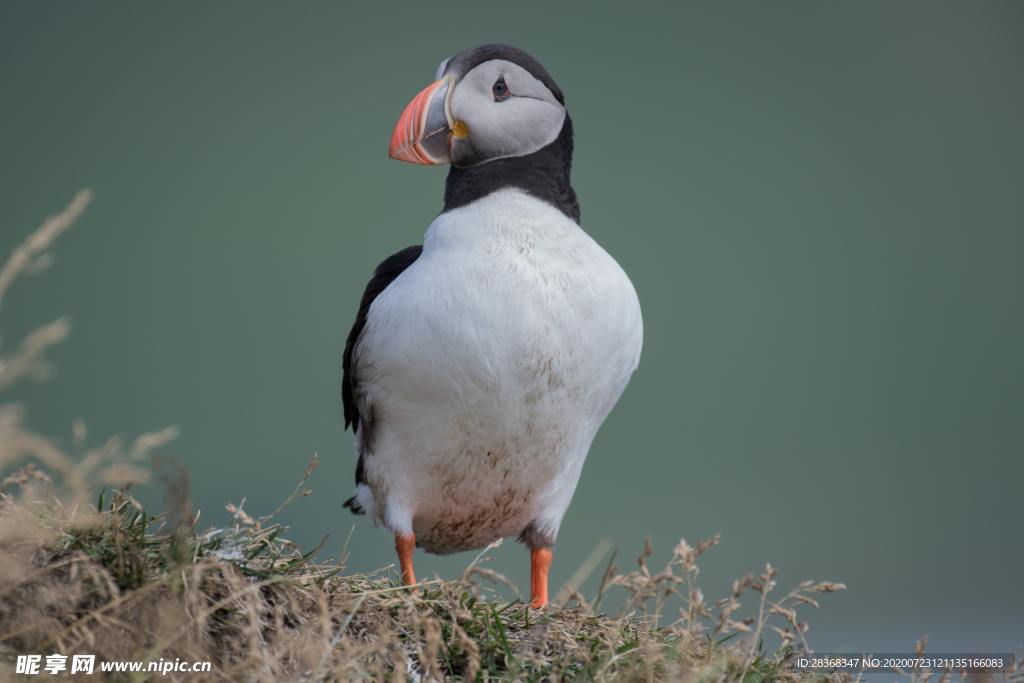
(353, 505)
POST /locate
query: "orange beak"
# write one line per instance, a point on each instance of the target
(422, 134)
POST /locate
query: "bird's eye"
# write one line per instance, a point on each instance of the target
(500, 90)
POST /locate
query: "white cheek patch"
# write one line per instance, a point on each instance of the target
(522, 124)
(516, 127)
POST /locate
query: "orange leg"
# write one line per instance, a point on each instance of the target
(540, 563)
(405, 544)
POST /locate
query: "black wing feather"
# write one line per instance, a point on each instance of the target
(383, 276)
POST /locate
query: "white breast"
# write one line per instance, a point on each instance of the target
(489, 365)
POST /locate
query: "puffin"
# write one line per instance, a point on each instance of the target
(482, 363)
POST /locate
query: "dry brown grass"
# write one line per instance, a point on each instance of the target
(114, 582)
(88, 575)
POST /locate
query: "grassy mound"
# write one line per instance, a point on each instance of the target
(114, 581)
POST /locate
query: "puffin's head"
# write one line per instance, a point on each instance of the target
(489, 102)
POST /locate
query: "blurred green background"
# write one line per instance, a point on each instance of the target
(820, 205)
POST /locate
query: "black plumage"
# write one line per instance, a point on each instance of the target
(389, 269)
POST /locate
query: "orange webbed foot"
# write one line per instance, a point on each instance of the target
(405, 544)
(540, 564)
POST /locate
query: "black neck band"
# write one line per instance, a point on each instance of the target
(543, 174)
